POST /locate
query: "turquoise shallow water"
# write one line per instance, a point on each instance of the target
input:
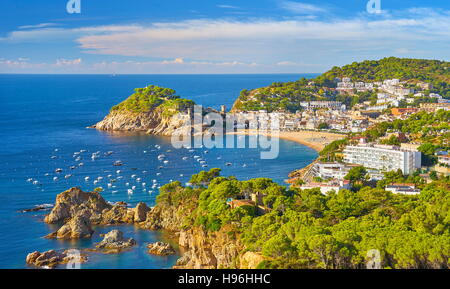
(43, 116)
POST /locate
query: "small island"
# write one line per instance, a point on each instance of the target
(152, 109)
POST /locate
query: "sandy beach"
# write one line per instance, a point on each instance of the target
(314, 139)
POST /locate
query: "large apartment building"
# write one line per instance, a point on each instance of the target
(383, 157)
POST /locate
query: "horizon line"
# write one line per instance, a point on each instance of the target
(117, 74)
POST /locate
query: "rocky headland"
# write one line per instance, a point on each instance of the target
(153, 110)
(78, 211)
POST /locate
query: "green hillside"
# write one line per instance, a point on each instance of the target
(405, 69)
(150, 97)
(287, 96)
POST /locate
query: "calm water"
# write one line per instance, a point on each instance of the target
(45, 116)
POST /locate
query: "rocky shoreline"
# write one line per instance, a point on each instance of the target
(77, 211)
(152, 122)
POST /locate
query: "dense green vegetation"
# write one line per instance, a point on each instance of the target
(422, 127)
(287, 96)
(152, 96)
(279, 96)
(406, 69)
(306, 229)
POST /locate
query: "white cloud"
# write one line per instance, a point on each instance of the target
(224, 6)
(299, 44)
(222, 40)
(41, 25)
(66, 62)
(286, 63)
(301, 8)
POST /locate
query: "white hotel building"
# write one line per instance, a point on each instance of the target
(383, 157)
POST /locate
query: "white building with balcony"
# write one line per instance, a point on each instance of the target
(384, 158)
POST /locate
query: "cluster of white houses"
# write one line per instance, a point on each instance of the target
(392, 86)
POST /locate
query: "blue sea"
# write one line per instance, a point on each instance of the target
(43, 120)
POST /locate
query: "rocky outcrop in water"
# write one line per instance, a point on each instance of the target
(160, 249)
(114, 242)
(52, 258)
(76, 228)
(78, 211)
(73, 201)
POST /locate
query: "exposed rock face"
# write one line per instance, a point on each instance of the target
(153, 122)
(116, 215)
(76, 228)
(202, 249)
(140, 212)
(71, 202)
(207, 250)
(164, 217)
(53, 258)
(251, 260)
(160, 249)
(80, 210)
(115, 242)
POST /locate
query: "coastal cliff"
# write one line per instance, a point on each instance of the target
(201, 249)
(153, 110)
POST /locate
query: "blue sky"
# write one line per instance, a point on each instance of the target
(208, 36)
